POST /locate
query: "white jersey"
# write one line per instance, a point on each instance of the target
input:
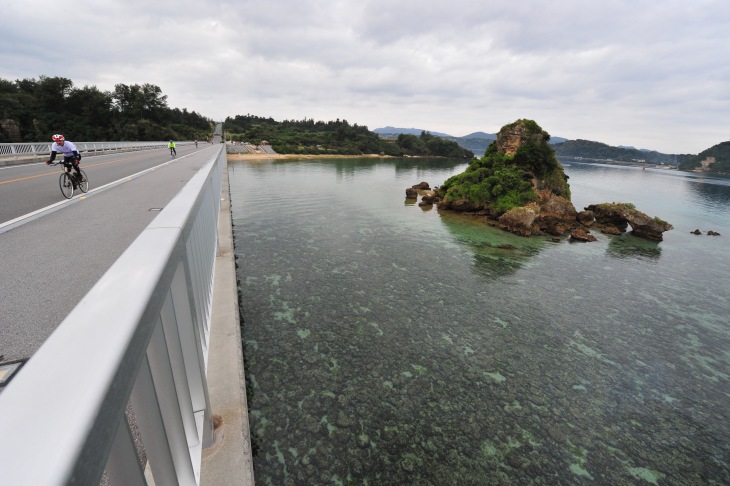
(67, 149)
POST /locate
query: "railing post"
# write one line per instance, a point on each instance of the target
(123, 467)
(151, 353)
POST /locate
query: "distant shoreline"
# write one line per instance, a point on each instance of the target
(304, 156)
(589, 160)
(327, 156)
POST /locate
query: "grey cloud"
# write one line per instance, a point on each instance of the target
(618, 71)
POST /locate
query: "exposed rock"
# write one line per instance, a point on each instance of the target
(607, 216)
(696, 232)
(460, 205)
(713, 233)
(427, 199)
(581, 234)
(610, 230)
(520, 221)
(512, 136)
(621, 215)
(706, 163)
(557, 215)
(586, 218)
(422, 189)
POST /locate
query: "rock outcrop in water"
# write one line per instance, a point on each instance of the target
(520, 185)
(620, 215)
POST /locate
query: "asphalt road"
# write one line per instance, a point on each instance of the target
(50, 260)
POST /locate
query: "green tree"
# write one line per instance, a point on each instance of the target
(53, 105)
(499, 182)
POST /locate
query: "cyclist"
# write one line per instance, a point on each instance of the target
(196, 144)
(171, 146)
(71, 155)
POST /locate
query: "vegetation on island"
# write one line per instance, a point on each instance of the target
(520, 185)
(507, 178)
(335, 137)
(714, 159)
(32, 110)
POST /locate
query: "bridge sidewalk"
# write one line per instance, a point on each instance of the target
(230, 460)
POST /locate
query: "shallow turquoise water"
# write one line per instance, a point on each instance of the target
(388, 344)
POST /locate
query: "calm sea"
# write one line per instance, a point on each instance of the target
(390, 344)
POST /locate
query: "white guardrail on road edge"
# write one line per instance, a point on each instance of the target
(139, 337)
(18, 150)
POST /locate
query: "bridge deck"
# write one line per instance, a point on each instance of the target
(50, 263)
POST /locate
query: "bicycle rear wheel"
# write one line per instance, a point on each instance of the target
(84, 184)
(67, 187)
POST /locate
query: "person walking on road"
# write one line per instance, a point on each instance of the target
(171, 146)
(71, 155)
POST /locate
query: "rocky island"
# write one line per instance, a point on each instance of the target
(520, 186)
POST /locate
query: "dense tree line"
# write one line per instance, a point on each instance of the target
(719, 153)
(596, 150)
(32, 110)
(335, 137)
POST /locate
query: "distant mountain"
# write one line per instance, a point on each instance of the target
(408, 131)
(629, 147)
(491, 136)
(477, 142)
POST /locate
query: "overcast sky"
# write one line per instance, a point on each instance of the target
(652, 74)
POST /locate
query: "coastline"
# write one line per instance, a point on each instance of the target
(304, 156)
(247, 156)
(626, 163)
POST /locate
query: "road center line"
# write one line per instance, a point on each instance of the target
(58, 171)
(26, 218)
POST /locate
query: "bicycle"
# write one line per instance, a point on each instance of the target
(69, 181)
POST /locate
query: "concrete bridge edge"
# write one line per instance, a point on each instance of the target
(229, 460)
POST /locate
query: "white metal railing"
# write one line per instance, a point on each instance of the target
(35, 149)
(134, 350)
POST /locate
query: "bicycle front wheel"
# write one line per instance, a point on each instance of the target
(67, 187)
(84, 184)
